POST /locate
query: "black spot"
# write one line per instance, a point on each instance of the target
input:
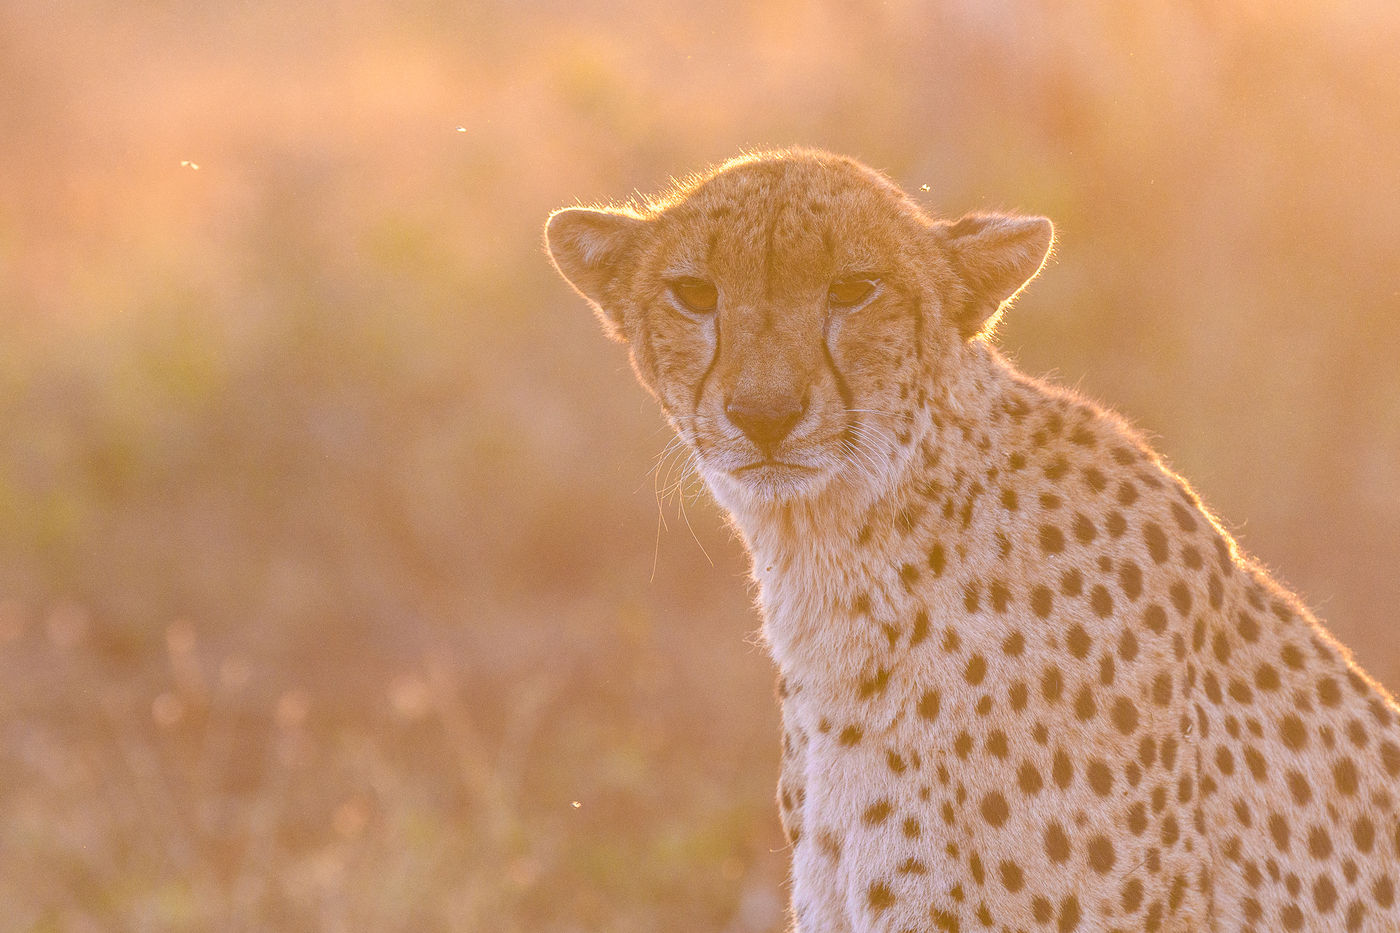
(1220, 646)
(1223, 556)
(1184, 519)
(1125, 715)
(995, 809)
(1363, 834)
(875, 683)
(1127, 645)
(1155, 618)
(1344, 772)
(879, 897)
(1100, 777)
(1130, 579)
(1215, 591)
(1292, 656)
(1131, 897)
(1299, 787)
(1319, 843)
(976, 669)
(1156, 542)
(1278, 829)
(937, 560)
(1181, 597)
(920, 631)
(1293, 732)
(1072, 582)
(1390, 758)
(1041, 601)
(1324, 894)
(1084, 706)
(1000, 595)
(877, 813)
(1056, 843)
(1162, 688)
(1101, 854)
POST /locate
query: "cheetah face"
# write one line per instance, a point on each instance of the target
(789, 310)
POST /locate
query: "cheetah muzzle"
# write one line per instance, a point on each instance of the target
(1027, 680)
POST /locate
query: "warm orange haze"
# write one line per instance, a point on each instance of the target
(334, 588)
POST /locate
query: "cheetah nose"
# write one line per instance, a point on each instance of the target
(765, 421)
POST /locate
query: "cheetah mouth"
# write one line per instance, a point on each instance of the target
(773, 469)
(774, 475)
(763, 480)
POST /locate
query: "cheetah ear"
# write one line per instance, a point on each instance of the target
(995, 256)
(590, 248)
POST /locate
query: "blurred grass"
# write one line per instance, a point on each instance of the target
(330, 560)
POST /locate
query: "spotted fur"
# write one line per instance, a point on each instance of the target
(1027, 680)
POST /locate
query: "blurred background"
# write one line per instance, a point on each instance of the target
(343, 585)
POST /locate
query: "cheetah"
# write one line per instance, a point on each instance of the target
(1028, 681)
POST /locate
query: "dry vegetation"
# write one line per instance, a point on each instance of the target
(332, 593)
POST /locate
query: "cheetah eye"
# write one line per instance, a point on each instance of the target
(845, 294)
(696, 295)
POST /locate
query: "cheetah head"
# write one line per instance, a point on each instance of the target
(792, 311)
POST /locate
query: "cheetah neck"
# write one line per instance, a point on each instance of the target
(822, 564)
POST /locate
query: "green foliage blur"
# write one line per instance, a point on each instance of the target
(343, 583)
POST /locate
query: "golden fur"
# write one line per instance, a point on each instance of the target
(1028, 682)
